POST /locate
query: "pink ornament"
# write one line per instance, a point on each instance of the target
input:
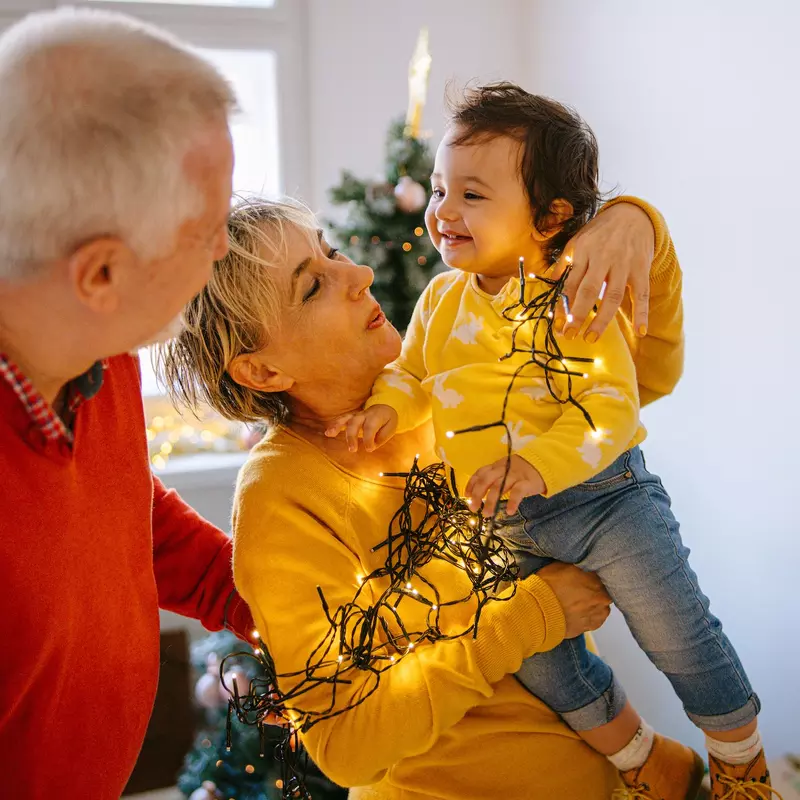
(206, 691)
(410, 195)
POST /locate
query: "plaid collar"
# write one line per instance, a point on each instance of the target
(40, 411)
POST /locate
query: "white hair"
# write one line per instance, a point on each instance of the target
(98, 112)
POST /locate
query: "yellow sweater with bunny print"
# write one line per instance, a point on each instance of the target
(453, 368)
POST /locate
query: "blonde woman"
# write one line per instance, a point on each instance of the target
(286, 333)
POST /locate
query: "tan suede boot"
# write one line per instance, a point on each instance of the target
(741, 781)
(671, 772)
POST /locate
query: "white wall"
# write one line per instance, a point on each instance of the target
(696, 108)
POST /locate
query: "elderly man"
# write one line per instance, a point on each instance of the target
(115, 186)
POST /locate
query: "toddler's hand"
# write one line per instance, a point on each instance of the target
(375, 426)
(523, 480)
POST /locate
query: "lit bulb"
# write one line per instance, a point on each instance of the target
(411, 645)
(476, 569)
(380, 474)
(257, 651)
(450, 434)
(360, 578)
(473, 522)
(532, 276)
(549, 315)
(585, 375)
(597, 434)
(416, 456)
(340, 659)
(255, 634)
(570, 318)
(568, 260)
(434, 607)
(598, 362)
(408, 586)
(392, 659)
(414, 591)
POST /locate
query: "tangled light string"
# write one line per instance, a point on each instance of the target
(433, 523)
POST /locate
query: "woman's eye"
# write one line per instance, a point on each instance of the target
(438, 193)
(312, 290)
(472, 196)
(333, 252)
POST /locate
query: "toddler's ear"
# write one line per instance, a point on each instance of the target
(560, 211)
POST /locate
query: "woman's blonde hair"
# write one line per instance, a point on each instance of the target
(233, 314)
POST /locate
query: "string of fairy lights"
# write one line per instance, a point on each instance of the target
(366, 637)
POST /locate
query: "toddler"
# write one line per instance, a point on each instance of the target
(516, 177)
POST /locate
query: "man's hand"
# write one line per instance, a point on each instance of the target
(614, 250)
(522, 481)
(374, 426)
(583, 598)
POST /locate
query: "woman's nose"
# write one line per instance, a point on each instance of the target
(361, 279)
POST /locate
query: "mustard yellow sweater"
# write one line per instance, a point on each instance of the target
(451, 368)
(449, 720)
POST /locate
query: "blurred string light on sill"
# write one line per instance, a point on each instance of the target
(170, 436)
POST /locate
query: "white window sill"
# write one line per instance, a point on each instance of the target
(201, 470)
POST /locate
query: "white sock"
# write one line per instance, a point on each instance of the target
(635, 753)
(735, 752)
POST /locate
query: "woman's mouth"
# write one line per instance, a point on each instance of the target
(377, 320)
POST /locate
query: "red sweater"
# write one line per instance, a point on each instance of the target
(90, 546)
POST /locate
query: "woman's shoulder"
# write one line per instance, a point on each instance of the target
(283, 463)
(287, 481)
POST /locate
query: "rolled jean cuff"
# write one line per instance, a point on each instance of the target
(599, 712)
(730, 721)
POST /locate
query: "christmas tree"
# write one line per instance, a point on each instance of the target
(384, 225)
(384, 221)
(211, 770)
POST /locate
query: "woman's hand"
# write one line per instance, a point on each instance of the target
(614, 250)
(583, 598)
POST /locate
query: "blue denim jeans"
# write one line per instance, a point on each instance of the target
(620, 525)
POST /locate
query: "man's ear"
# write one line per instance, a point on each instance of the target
(560, 211)
(253, 371)
(96, 270)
